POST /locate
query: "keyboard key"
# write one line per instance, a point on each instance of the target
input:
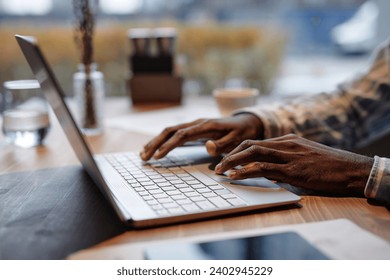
(136, 172)
(184, 174)
(176, 210)
(176, 182)
(156, 191)
(186, 190)
(165, 184)
(192, 182)
(183, 201)
(162, 212)
(143, 180)
(197, 198)
(151, 201)
(219, 202)
(164, 200)
(150, 173)
(147, 183)
(143, 193)
(173, 192)
(216, 187)
(192, 193)
(157, 207)
(203, 190)
(198, 186)
(181, 186)
(186, 177)
(135, 185)
(209, 194)
(222, 191)
(160, 180)
(190, 207)
(163, 171)
(139, 189)
(178, 196)
(237, 201)
(171, 204)
(177, 170)
(160, 195)
(205, 205)
(169, 188)
(151, 187)
(228, 195)
(131, 181)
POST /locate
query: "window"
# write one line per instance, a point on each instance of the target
(26, 7)
(120, 6)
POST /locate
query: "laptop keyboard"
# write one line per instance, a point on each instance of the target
(171, 187)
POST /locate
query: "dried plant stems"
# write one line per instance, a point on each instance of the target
(84, 39)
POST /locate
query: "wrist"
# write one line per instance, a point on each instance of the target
(255, 122)
(360, 177)
(372, 181)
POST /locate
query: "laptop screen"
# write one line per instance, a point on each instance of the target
(55, 96)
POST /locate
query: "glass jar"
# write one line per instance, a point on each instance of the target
(89, 96)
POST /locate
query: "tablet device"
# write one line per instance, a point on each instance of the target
(279, 246)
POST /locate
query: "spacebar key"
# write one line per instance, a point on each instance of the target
(200, 176)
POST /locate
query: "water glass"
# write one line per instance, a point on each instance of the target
(25, 116)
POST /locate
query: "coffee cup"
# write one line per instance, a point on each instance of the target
(231, 99)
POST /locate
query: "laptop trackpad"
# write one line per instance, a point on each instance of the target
(260, 182)
(254, 182)
(198, 156)
(250, 182)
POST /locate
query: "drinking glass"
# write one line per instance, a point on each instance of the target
(25, 116)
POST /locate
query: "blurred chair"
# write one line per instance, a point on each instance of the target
(358, 34)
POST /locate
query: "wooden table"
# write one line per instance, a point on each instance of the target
(57, 152)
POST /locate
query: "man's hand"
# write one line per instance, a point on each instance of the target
(226, 134)
(301, 163)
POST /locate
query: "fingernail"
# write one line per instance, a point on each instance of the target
(211, 148)
(157, 155)
(232, 173)
(218, 167)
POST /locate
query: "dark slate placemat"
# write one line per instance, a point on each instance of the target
(50, 213)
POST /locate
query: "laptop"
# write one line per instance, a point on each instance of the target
(178, 188)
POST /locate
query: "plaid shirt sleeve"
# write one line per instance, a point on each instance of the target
(378, 184)
(357, 112)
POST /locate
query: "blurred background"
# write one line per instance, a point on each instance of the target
(284, 48)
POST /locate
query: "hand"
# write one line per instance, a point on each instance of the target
(301, 163)
(226, 134)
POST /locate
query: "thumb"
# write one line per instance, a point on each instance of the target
(211, 148)
(224, 144)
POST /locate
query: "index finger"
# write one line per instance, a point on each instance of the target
(255, 153)
(181, 136)
(153, 145)
(267, 143)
